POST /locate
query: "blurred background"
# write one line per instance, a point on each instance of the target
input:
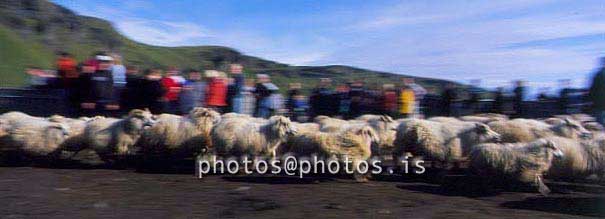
(306, 58)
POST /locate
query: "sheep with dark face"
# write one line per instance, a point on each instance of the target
(437, 141)
(521, 162)
(240, 136)
(526, 130)
(180, 136)
(110, 136)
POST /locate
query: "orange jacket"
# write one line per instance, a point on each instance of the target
(216, 94)
(66, 67)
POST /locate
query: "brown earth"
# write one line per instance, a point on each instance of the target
(30, 192)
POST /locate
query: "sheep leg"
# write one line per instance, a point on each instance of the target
(542, 188)
(361, 178)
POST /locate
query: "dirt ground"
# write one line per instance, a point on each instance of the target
(29, 192)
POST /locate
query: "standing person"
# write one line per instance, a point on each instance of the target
(321, 99)
(564, 96)
(67, 71)
(239, 84)
(248, 99)
(83, 88)
(262, 93)
(275, 101)
(216, 93)
(343, 100)
(102, 85)
(450, 100)
(193, 93)
(299, 108)
(597, 93)
(389, 102)
(293, 91)
(231, 93)
(407, 101)
(152, 91)
(474, 99)
(118, 72)
(499, 98)
(130, 98)
(357, 94)
(173, 84)
(519, 92)
(419, 93)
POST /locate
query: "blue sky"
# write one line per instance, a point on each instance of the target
(540, 41)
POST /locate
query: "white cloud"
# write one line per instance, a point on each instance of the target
(458, 40)
(163, 33)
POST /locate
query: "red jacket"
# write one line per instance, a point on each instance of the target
(66, 67)
(390, 101)
(172, 88)
(217, 92)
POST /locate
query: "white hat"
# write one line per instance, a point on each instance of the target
(211, 73)
(104, 58)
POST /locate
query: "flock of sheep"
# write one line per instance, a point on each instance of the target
(486, 145)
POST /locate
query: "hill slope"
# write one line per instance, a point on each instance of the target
(31, 31)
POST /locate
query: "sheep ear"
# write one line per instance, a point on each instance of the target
(567, 121)
(136, 112)
(481, 127)
(205, 112)
(550, 144)
(386, 118)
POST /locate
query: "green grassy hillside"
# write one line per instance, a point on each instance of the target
(31, 31)
(18, 54)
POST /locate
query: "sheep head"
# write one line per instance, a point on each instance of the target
(572, 129)
(282, 126)
(485, 134)
(56, 118)
(56, 133)
(593, 126)
(369, 135)
(138, 120)
(202, 114)
(549, 147)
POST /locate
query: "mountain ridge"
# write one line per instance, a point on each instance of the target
(31, 31)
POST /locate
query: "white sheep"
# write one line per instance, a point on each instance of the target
(444, 119)
(328, 124)
(351, 145)
(35, 138)
(308, 127)
(238, 136)
(16, 116)
(481, 119)
(110, 136)
(526, 130)
(581, 158)
(383, 126)
(522, 162)
(441, 142)
(180, 136)
(4, 127)
(594, 127)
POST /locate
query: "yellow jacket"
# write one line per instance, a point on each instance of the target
(406, 100)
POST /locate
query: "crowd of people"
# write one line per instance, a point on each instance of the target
(103, 83)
